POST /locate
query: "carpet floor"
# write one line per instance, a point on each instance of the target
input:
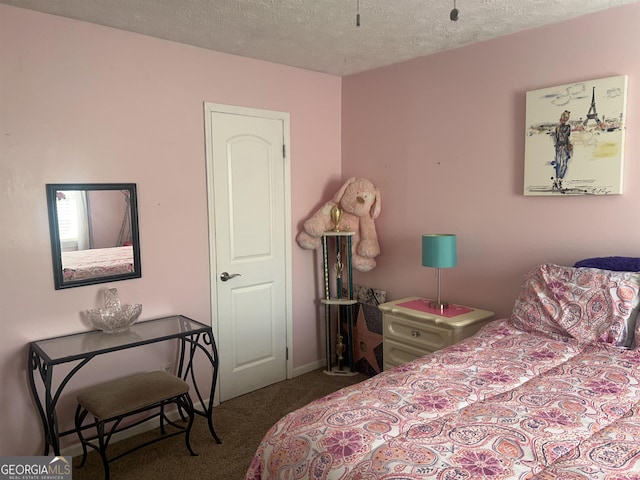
(240, 423)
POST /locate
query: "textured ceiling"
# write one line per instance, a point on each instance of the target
(322, 35)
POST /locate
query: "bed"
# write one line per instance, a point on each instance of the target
(553, 392)
(99, 262)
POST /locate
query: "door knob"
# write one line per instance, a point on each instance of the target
(224, 276)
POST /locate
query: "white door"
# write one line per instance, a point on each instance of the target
(248, 178)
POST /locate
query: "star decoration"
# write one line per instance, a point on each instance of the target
(365, 341)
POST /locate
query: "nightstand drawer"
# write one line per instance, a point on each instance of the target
(395, 353)
(419, 334)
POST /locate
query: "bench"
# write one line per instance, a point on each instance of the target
(111, 402)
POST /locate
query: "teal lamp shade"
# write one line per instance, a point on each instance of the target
(439, 250)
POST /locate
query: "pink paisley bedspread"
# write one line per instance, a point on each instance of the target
(99, 262)
(503, 404)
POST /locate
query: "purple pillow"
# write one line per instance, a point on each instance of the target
(616, 264)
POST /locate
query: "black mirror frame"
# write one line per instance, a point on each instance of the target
(56, 250)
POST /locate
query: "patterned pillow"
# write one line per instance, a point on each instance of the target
(621, 264)
(635, 342)
(634, 319)
(588, 304)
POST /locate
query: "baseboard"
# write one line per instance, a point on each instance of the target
(309, 367)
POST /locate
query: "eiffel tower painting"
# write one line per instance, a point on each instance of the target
(574, 142)
(592, 114)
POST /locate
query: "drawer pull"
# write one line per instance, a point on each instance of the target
(415, 333)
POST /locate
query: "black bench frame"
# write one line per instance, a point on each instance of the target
(105, 431)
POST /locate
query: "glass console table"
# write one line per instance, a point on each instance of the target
(80, 348)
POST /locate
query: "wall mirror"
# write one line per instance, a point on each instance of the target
(94, 233)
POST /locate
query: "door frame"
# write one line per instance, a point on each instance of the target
(209, 109)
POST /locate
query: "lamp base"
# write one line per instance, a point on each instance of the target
(438, 305)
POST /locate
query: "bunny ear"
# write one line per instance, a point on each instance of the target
(375, 208)
(338, 197)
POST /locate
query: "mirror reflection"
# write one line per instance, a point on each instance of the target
(94, 233)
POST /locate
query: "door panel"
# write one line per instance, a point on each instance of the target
(252, 325)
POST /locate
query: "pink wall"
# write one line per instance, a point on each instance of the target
(107, 210)
(443, 139)
(83, 103)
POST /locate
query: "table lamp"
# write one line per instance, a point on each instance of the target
(439, 251)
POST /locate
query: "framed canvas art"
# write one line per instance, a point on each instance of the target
(574, 143)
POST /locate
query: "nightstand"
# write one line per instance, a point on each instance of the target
(412, 329)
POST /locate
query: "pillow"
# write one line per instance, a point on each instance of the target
(635, 342)
(634, 318)
(588, 304)
(618, 264)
